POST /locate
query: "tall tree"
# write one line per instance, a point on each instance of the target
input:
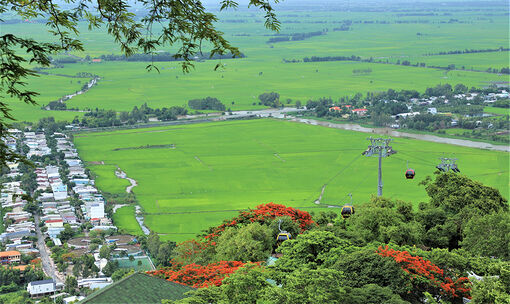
(251, 243)
(488, 235)
(454, 200)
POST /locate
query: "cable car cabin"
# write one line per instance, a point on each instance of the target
(283, 236)
(347, 211)
(410, 174)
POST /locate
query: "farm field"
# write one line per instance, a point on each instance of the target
(219, 167)
(126, 84)
(494, 110)
(402, 33)
(51, 88)
(124, 217)
(106, 179)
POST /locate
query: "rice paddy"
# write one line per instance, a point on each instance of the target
(217, 168)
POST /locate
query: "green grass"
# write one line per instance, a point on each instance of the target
(225, 166)
(106, 180)
(126, 263)
(473, 61)
(50, 88)
(124, 219)
(125, 85)
(496, 110)
(457, 131)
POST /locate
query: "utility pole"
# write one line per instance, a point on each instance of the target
(448, 164)
(379, 147)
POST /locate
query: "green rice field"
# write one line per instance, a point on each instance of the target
(216, 168)
(105, 178)
(51, 88)
(125, 85)
(384, 35)
(124, 217)
(494, 110)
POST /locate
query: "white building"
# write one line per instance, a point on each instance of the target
(41, 288)
(432, 111)
(95, 210)
(73, 299)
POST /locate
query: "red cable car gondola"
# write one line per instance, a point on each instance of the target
(409, 173)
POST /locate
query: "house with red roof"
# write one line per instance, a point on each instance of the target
(360, 112)
(7, 257)
(54, 223)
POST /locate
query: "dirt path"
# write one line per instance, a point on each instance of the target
(393, 133)
(318, 201)
(121, 174)
(96, 163)
(139, 218)
(118, 206)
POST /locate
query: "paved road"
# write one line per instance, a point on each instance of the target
(47, 263)
(393, 133)
(282, 113)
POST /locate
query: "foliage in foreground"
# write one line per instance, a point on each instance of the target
(381, 254)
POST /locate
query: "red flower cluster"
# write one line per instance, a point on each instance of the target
(421, 270)
(262, 214)
(199, 276)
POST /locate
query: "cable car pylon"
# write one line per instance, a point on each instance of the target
(448, 164)
(379, 147)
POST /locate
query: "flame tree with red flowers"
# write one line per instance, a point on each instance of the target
(199, 276)
(427, 277)
(263, 214)
(198, 250)
(191, 266)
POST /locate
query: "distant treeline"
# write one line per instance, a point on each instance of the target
(208, 103)
(62, 60)
(166, 56)
(171, 146)
(295, 36)
(41, 71)
(342, 28)
(504, 70)
(108, 118)
(362, 71)
(466, 51)
(333, 58)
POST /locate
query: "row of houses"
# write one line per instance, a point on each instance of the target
(54, 200)
(37, 144)
(18, 223)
